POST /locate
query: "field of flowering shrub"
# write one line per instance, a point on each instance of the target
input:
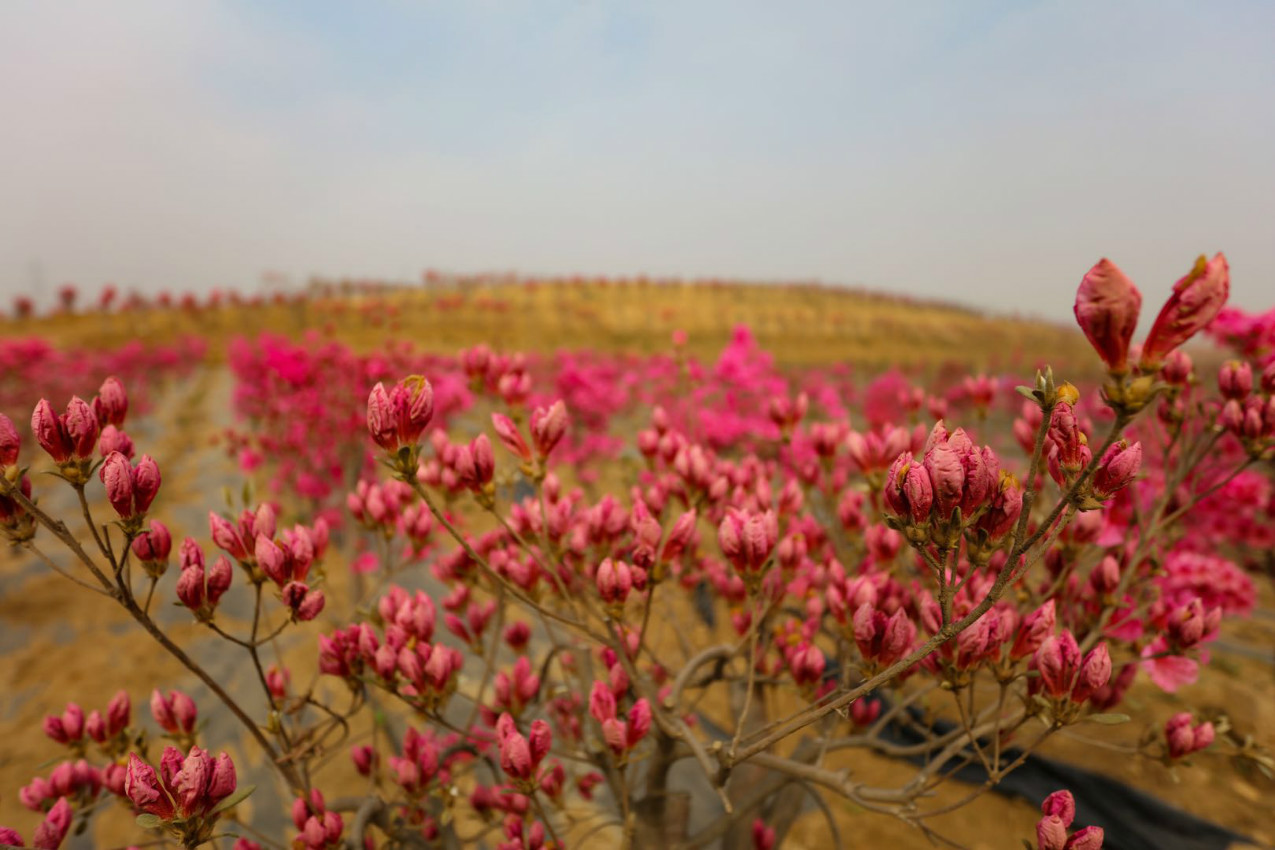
(321, 583)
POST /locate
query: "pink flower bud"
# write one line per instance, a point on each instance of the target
(73, 721)
(517, 635)
(680, 536)
(142, 787)
(539, 739)
(385, 661)
(1051, 834)
(441, 664)
(50, 834)
(191, 782)
(1089, 838)
(807, 664)
(1118, 466)
(908, 491)
(154, 545)
(614, 581)
(49, 432)
(510, 437)
(897, 640)
(505, 726)
(381, 423)
(1259, 420)
(1196, 300)
(548, 427)
(227, 536)
(272, 560)
(1065, 433)
(118, 712)
(1179, 735)
(117, 475)
(937, 434)
(639, 722)
(410, 665)
(1204, 734)
(617, 679)
(10, 443)
(1268, 379)
(111, 404)
(747, 539)
(95, 727)
(277, 681)
(1105, 577)
(515, 756)
(130, 490)
(33, 796)
(162, 711)
(313, 834)
(222, 783)
(1176, 369)
(1235, 380)
(332, 827)
(1095, 671)
(601, 702)
(184, 711)
(615, 735)
(585, 784)
(553, 781)
(1037, 626)
(763, 836)
(868, 624)
(864, 712)
(1003, 508)
(54, 729)
(363, 757)
(398, 418)
(301, 808)
(61, 780)
(947, 478)
(1058, 660)
(1187, 624)
(306, 604)
(1182, 739)
(982, 478)
(218, 579)
(170, 764)
(81, 428)
(200, 591)
(264, 521)
(1107, 307)
(113, 778)
(146, 481)
(978, 642)
(484, 460)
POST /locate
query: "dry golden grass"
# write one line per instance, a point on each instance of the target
(799, 324)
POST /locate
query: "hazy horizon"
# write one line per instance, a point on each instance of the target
(984, 153)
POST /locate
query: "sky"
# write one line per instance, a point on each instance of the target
(976, 151)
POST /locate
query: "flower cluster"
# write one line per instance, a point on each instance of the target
(666, 562)
(1051, 830)
(186, 795)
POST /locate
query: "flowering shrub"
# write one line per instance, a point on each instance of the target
(754, 586)
(34, 367)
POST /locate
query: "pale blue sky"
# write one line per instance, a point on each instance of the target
(985, 152)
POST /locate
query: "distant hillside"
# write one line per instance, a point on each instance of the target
(799, 323)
